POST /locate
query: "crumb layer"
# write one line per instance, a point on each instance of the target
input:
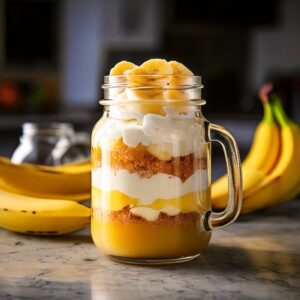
(124, 216)
(140, 160)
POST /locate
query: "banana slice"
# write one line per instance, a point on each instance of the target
(138, 83)
(121, 67)
(157, 66)
(137, 76)
(178, 79)
(180, 74)
(179, 68)
(138, 79)
(161, 70)
(150, 97)
(158, 151)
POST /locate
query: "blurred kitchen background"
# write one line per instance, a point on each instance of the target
(54, 54)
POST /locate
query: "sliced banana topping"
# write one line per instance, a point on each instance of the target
(121, 67)
(137, 77)
(167, 84)
(157, 66)
(138, 87)
(179, 71)
(179, 68)
(136, 71)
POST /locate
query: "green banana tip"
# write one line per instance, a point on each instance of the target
(278, 110)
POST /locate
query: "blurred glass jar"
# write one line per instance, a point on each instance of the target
(51, 144)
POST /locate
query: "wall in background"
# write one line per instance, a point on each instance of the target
(82, 48)
(234, 46)
(276, 50)
(91, 27)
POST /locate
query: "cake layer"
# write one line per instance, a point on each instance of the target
(140, 160)
(147, 190)
(116, 200)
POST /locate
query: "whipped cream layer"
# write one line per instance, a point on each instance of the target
(174, 134)
(147, 190)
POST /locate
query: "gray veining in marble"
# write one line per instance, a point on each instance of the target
(258, 257)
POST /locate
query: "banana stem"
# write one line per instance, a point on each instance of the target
(279, 112)
(268, 113)
(263, 95)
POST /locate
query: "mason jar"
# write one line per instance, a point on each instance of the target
(49, 144)
(151, 170)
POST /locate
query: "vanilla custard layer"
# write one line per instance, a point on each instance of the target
(142, 239)
(116, 201)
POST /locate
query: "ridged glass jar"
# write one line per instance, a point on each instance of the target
(151, 171)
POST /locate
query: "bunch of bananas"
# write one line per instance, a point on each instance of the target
(43, 200)
(271, 169)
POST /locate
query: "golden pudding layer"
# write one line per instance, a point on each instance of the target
(123, 234)
(118, 231)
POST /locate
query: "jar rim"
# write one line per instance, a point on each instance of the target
(161, 80)
(152, 89)
(163, 102)
(152, 75)
(44, 128)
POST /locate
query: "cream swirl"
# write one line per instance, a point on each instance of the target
(174, 134)
(147, 190)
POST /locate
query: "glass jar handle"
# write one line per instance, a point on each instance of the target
(216, 133)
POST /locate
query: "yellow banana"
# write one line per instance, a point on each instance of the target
(77, 163)
(283, 182)
(260, 160)
(251, 178)
(41, 216)
(83, 166)
(70, 183)
(265, 149)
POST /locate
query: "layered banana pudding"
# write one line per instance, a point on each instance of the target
(150, 177)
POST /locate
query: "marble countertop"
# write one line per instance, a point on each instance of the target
(257, 257)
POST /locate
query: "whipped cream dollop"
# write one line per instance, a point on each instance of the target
(175, 134)
(147, 190)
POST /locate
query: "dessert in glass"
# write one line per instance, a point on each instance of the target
(151, 166)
